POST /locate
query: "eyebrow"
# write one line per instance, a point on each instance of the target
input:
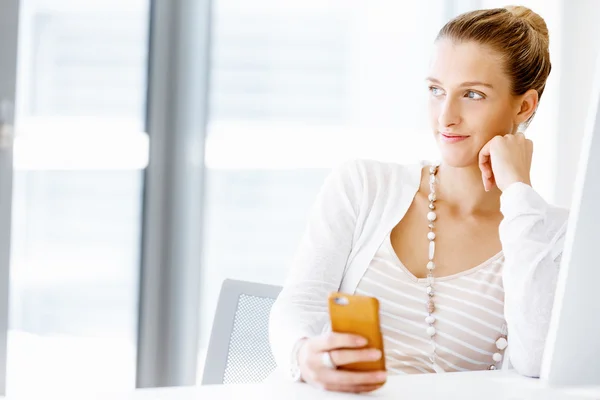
(464, 84)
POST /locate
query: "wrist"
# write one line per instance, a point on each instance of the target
(295, 367)
(517, 179)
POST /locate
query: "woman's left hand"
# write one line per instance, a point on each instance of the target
(505, 160)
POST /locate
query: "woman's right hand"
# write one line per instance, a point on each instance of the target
(344, 349)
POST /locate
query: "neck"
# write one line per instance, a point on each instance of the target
(462, 190)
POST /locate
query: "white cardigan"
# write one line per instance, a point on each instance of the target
(360, 202)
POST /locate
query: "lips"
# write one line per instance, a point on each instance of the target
(452, 137)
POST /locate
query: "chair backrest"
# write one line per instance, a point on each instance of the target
(239, 350)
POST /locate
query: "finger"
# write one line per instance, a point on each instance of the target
(485, 161)
(333, 340)
(486, 182)
(484, 155)
(352, 388)
(491, 183)
(345, 378)
(529, 145)
(489, 180)
(487, 174)
(486, 170)
(344, 357)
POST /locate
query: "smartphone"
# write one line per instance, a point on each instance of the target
(358, 315)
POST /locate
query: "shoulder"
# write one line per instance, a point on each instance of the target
(521, 200)
(558, 215)
(372, 175)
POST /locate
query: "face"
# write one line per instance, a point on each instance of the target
(470, 100)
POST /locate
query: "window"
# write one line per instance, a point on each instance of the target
(298, 87)
(79, 160)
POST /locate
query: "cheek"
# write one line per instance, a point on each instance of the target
(489, 119)
(433, 109)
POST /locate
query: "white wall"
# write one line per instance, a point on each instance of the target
(557, 129)
(580, 47)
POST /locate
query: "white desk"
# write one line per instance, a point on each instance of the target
(489, 385)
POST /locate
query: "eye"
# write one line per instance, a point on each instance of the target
(474, 95)
(435, 91)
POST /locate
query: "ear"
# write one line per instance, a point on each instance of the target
(526, 105)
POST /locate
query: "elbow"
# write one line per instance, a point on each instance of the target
(528, 370)
(274, 321)
(275, 333)
(528, 366)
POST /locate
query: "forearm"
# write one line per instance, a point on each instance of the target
(318, 265)
(532, 235)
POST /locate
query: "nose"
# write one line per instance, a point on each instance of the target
(449, 112)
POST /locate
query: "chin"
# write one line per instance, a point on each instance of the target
(458, 159)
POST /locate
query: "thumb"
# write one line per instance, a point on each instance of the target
(485, 165)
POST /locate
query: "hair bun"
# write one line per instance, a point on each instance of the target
(534, 20)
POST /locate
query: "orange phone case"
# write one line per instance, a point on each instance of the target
(358, 315)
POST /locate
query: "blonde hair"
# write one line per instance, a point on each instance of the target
(518, 34)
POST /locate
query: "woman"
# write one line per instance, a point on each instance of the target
(463, 256)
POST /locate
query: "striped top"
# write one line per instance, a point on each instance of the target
(358, 205)
(469, 314)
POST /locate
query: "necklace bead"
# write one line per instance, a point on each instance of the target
(501, 343)
(430, 306)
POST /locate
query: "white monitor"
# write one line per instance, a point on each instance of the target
(572, 354)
